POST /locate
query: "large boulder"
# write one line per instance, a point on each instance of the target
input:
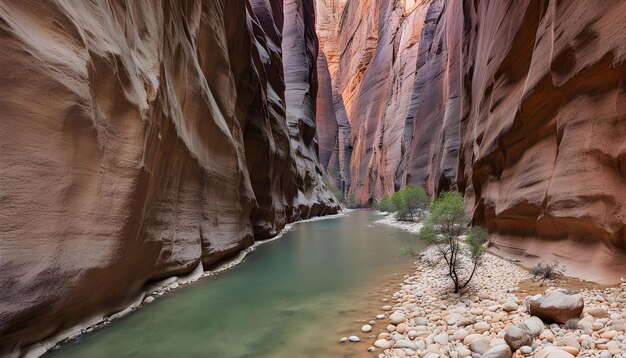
(558, 306)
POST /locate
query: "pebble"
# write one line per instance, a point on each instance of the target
(526, 350)
(459, 334)
(441, 339)
(354, 339)
(569, 341)
(366, 328)
(397, 318)
(517, 337)
(482, 327)
(465, 321)
(535, 325)
(613, 347)
(609, 334)
(510, 307)
(500, 351)
(463, 352)
(382, 344)
(480, 346)
(453, 318)
(598, 312)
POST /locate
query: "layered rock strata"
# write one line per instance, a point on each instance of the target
(140, 139)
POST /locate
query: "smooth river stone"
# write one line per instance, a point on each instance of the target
(397, 318)
(382, 344)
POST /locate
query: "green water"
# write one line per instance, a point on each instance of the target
(292, 297)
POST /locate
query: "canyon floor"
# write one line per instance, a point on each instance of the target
(424, 319)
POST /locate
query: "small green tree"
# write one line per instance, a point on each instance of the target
(443, 227)
(396, 205)
(396, 200)
(409, 202)
(414, 201)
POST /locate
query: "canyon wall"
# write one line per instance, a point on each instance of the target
(144, 139)
(520, 105)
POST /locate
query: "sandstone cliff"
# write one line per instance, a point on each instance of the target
(518, 104)
(140, 139)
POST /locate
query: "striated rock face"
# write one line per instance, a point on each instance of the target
(142, 138)
(300, 60)
(518, 104)
(371, 48)
(544, 151)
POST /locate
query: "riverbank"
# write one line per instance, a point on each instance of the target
(155, 290)
(423, 319)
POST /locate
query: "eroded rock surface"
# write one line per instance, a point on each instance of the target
(141, 138)
(520, 105)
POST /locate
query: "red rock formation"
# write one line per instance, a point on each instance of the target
(139, 139)
(518, 104)
(300, 59)
(543, 148)
(372, 68)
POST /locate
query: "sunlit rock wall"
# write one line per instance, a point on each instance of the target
(371, 48)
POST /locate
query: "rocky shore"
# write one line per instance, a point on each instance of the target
(492, 317)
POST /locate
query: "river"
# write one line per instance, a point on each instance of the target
(292, 297)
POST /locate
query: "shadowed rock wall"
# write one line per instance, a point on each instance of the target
(139, 139)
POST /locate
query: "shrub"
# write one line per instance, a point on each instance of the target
(396, 200)
(443, 228)
(406, 203)
(414, 200)
(544, 271)
(385, 204)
